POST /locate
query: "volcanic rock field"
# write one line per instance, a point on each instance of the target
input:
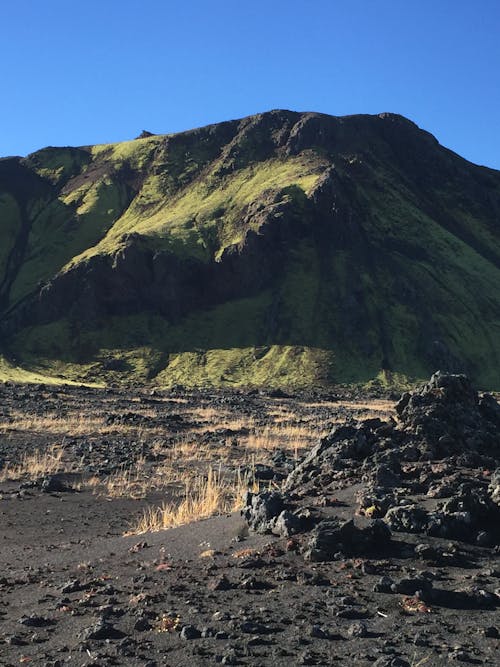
(368, 530)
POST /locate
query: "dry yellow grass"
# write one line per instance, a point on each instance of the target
(183, 465)
(376, 405)
(284, 432)
(73, 425)
(293, 437)
(125, 483)
(53, 424)
(190, 456)
(182, 462)
(204, 496)
(211, 418)
(37, 464)
(186, 449)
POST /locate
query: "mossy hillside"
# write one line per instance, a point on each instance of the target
(413, 270)
(457, 196)
(57, 165)
(236, 323)
(210, 347)
(213, 347)
(204, 218)
(403, 254)
(425, 267)
(67, 220)
(200, 220)
(62, 228)
(187, 352)
(176, 158)
(275, 365)
(11, 372)
(281, 366)
(10, 225)
(311, 300)
(393, 381)
(137, 153)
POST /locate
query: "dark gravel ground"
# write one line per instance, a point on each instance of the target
(74, 591)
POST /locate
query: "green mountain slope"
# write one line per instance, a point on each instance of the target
(283, 248)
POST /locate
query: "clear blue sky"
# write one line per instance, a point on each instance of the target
(75, 73)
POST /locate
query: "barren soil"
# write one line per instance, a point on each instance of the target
(75, 590)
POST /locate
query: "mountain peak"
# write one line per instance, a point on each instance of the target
(145, 135)
(282, 248)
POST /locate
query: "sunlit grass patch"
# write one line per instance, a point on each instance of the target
(37, 464)
(204, 496)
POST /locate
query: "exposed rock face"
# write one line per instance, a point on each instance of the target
(138, 277)
(445, 445)
(330, 537)
(360, 236)
(449, 418)
(445, 418)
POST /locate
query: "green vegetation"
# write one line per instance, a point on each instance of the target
(10, 372)
(211, 208)
(10, 224)
(274, 366)
(57, 165)
(378, 275)
(137, 152)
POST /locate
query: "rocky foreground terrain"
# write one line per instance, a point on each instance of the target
(373, 538)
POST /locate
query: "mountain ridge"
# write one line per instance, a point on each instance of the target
(281, 248)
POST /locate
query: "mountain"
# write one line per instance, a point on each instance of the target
(282, 249)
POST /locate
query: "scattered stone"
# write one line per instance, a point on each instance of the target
(318, 632)
(287, 524)
(353, 613)
(384, 585)
(103, 630)
(460, 655)
(261, 509)
(220, 583)
(72, 586)
(426, 552)
(407, 519)
(190, 632)
(255, 628)
(54, 484)
(142, 624)
(491, 631)
(421, 639)
(412, 586)
(34, 621)
(15, 640)
(357, 630)
(331, 536)
(221, 616)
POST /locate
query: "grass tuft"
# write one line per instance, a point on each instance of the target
(37, 464)
(205, 496)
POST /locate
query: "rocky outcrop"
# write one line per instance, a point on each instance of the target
(444, 446)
